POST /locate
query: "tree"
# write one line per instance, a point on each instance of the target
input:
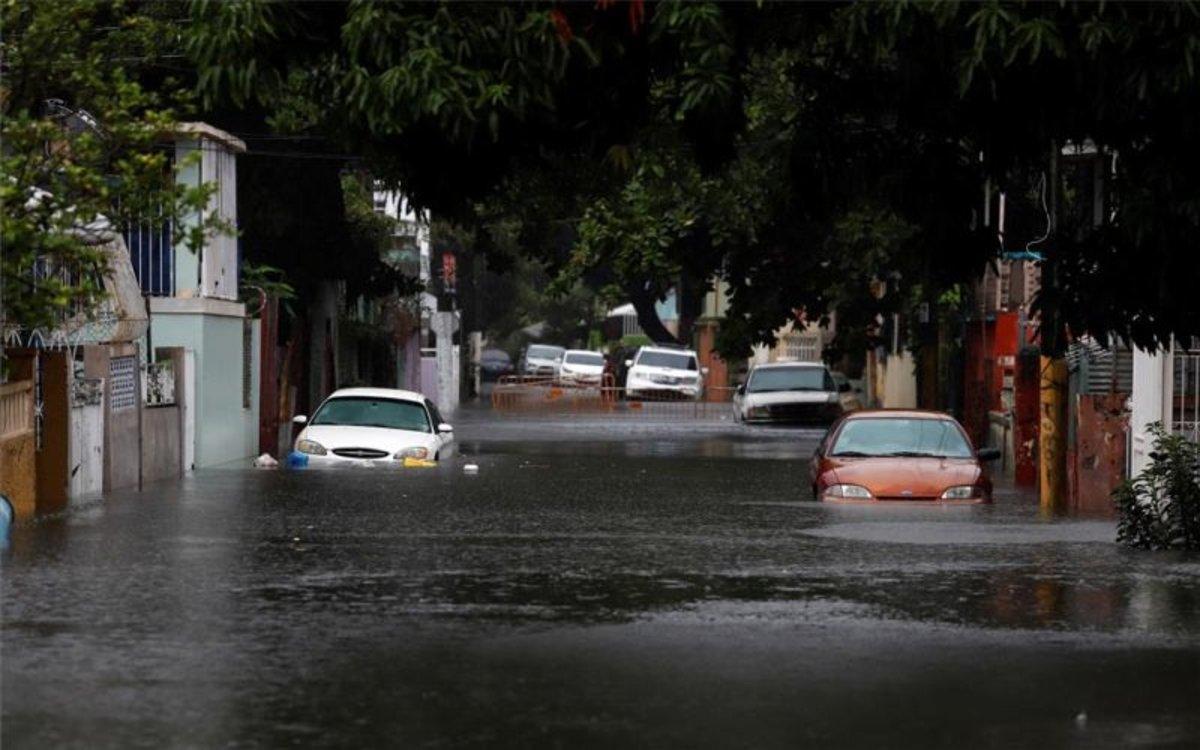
(800, 152)
(89, 104)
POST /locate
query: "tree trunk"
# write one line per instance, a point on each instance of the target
(690, 294)
(643, 301)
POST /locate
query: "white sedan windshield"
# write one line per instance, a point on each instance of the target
(373, 412)
(672, 360)
(584, 358)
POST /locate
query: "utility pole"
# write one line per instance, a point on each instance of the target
(1052, 401)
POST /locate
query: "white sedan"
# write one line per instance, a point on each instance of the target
(375, 426)
(581, 367)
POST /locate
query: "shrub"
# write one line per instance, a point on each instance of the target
(1160, 508)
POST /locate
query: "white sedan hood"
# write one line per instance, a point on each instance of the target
(583, 369)
(332, 437)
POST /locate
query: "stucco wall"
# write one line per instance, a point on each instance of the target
(226, 430)
(900, 382)
(18, 478)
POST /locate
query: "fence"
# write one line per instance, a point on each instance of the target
(529, 396)
(16, 408)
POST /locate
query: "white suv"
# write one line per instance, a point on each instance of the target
(659, 371)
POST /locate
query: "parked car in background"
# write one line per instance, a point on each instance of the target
(378, 426)
(664, 372)
(541, 360)
(495, 364)
(788, 392)
(581, 367)
(902, 455)
(848, 395)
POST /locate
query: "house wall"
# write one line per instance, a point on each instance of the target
(900, 382)
(1097, 462)
(187, 263)
(226, 427)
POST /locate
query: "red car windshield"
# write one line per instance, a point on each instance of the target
(898, 436)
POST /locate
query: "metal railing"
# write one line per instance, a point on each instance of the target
(16, 408)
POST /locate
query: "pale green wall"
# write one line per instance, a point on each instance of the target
(187, 262)
(224, 430)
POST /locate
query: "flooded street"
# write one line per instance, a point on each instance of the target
(595, 584)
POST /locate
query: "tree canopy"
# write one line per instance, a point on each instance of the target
(89, 99)
(796, 151)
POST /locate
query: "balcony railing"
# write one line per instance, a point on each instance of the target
(152, 251)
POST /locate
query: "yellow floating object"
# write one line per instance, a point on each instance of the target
(418, 463)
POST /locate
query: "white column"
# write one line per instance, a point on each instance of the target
(1150, 395)
(447, 362)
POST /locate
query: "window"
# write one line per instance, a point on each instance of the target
(584, 358)
(373, 412)
(434, 415)
(771, 379)
(541, 351)
(673, 360)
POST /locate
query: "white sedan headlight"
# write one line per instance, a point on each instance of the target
(417, 452)
(848, 491)
(311, 447)
(962, 492)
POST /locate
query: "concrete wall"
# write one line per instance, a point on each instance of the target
(900, 382)
(160, 443)
(226, 428)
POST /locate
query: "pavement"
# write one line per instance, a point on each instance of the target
(599, 583)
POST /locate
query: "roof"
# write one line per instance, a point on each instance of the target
(899, 414)
(581, 351)
(204, 130)
(666, 348)
(392, 393)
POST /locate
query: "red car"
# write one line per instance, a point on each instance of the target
(901, 455)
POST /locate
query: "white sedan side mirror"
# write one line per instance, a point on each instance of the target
(704, 371)
(299, 419)
(629, 363)
(445, 429)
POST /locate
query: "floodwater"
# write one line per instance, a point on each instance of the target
(619, 583)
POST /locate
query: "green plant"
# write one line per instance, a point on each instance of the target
(1160, 508)
(86, 118)
(259, 281)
